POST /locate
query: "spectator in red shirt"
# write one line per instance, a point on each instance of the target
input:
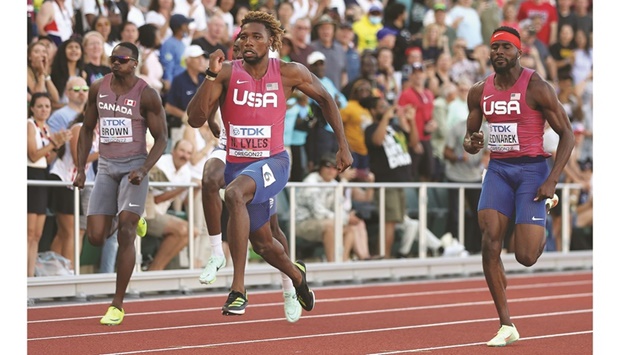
(549, 14)
(421, 99)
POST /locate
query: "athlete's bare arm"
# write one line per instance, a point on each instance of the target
(474, 138)
(204, 104)
(85, 140)
(153, 111)
(542, 96)
(297, 76)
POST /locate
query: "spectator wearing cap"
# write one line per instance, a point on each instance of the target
(413, 55)
(171, 51)
(431, 17)
(195, 10)
(421, 99)
(395, 18)
(346, 37)
(531, 45)
(300, 36)
(322, 138)
(366, 28)
(466, 22)
(183, 88)
(444, 22)
(212, 38)
(386, 38)
(325, 31)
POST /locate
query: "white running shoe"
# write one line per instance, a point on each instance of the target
(552, 202)
(292, 308)
(210, 272)
(506, 335)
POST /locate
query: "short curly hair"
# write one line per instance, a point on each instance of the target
(271, 24)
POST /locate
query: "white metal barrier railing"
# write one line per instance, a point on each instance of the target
(293, 186)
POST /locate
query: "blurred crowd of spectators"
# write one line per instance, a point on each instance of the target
(420, 56)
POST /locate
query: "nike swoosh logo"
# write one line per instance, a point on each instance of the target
(537, 219)
(132, 205)
(102, 96)
(241, 81)
(486, 97)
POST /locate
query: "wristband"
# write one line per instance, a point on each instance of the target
(208, 72)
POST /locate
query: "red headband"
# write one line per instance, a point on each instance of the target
(506, 36)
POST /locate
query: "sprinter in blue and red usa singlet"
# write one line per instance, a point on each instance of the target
(212, 182)
(252, 93)
(515, 102)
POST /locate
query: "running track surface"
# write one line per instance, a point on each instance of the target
(553, 313)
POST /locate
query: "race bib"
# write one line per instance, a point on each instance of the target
(115, 130)
(249, 141)
(503, 137)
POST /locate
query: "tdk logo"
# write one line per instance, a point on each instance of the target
(501, 108)
(248, 131)
(500, 129)
(255, 99)
(113, 122)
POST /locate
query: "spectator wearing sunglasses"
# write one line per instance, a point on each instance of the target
(76, 92)
(125, 107)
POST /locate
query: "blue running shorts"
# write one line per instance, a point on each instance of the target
(510, 185)
(270, 175)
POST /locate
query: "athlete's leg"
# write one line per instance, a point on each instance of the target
(237, 195)
(493, 225)
(98, 228)
(212, 182)
(272, 251)
(277, 233)
(531, 216)
(126, 256)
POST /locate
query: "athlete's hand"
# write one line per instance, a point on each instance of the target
(344, 159)
(79, 180)
(215, 61)
(545, 191)
(136, 176)
(474, 143)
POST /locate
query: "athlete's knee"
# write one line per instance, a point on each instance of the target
(491, 244)
(126, 233)
(234, 197)
(527, 259)
(212, 182)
